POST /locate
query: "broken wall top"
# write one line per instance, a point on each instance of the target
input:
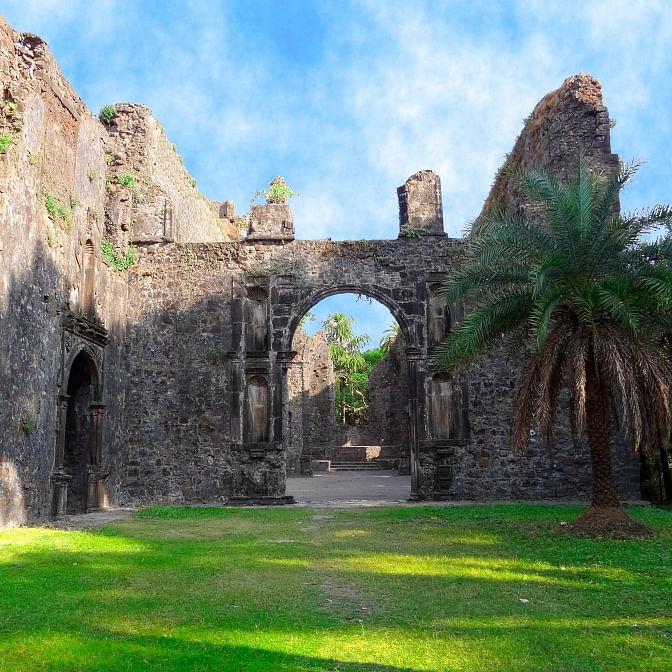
(566, 121)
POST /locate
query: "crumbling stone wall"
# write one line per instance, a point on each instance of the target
(570, 119)
(56, 147)
(190, 353)
(388, 390)
(163, 203)
(311, 399)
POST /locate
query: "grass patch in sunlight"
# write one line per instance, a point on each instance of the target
(389, 590)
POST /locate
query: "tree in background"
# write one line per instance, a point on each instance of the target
(594, 298)
(351, 368)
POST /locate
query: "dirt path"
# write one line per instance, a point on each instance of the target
(90, 521)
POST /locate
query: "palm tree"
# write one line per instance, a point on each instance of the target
(389, 337)
(592, 298)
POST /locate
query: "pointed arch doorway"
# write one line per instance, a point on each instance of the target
(79, 481)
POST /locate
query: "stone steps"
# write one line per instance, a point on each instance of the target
(355, 466)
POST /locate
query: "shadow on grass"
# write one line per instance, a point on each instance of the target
(104, 596)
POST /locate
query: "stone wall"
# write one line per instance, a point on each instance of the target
(191, 355)
(567, 120)
(388, 414)
(311, 395)
(56, 147)
(163, 203)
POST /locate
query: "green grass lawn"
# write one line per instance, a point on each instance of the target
(434, 588)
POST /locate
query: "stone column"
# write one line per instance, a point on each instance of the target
(284, 360)
(413, 357)
(97, 412)
(97, 497)
(59, 478)
(62, 414)
(59, 484)
(420, 206)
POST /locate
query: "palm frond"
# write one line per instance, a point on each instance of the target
(503, 311)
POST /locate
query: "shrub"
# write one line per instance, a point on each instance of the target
(107, 113)
(6, 141)
(120, 262)
(125, 179)
(58, 210)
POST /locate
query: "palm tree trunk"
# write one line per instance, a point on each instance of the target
(597, 430)
(667, 476)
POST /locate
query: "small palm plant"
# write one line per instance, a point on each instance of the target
(592, 298)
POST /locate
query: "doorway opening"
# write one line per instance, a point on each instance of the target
(348, 396)
(78, 455)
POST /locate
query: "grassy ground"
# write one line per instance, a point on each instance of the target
(446, 588)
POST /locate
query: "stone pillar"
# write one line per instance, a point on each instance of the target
(420, 206)
(59, 478)
(97, 493)
(237, 398)
(97, 411)
(284, 361)
(62, 414)
(413, 357)
(272, 221)
(59, 484)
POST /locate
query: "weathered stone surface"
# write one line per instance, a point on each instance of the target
(564, 122)
(185, 378)
(420, 205)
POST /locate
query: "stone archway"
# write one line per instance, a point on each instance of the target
(78, 478)
(320, 438)
(408, 307)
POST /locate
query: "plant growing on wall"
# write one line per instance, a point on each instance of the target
(118, 261)
(58, 210)
(6, 141)
(276, 192)
(126, 179)
(107, 113)
(28, 424)
(411, 231)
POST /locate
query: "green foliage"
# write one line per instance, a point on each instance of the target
(591, 294)
(126, 179)
(217, 355)
(277, 192)
(350, 367)
(34, 159)
(372, 357)
(120, 262)
(107, 113)
(6, 141)
(28, 423)
(308, 317)
(192, 181)
(91, 173)
(390, 337)
(58, 210)
(394, 589)
(411, 231)
(109, 159)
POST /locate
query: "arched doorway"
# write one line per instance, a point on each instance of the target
(348, 428)
(78, 477)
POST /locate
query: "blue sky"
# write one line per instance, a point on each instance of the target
(347, 99)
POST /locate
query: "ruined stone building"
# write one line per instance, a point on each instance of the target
(177, 374)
